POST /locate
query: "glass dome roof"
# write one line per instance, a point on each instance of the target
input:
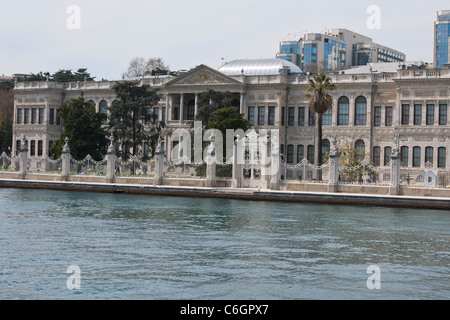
(258, 67)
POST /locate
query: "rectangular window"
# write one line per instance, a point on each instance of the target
(441, 157)
(261, 112)
(33, 115)
(429, 155)
(26, 115)
(51, 119)
(176, 113)
(442, 114)
(290, 154)
(326, 117)
(301, 116)
(310, 155)
(430, 114)
(156, 115)
(32, 148)
(405, 114)
(40, 148)
(343, 114)
(41, 116)
(163, 116)
(377, 117)
(404, 156)
(271, 119)
(376, 156)
(300, 153)
(291, 116)
(388, 117)
(251, 115)
(282, 116)
(58, 118)
(416, 157)
(19, 116)
(387, 155)
(417, 114)
(311, 118)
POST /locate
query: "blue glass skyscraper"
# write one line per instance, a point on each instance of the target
(442, 39)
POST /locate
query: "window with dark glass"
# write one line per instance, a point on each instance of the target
(19, 116)
(311, 118)
(429, 155)
(442, 157)
(290, 154)
(404, 155)
(41, 115)
(360, 147)
(156, 114)
(387, 155)
(442, 114)
(343, 111)
(32, 148)
(40, 147)
(360, 111)
(18, 144)
(416, 157)
(388, 117)
(430, 114)
(261, 111)
(163, 115)
(325, 148)
(103, 108)
(26, 115)
(310, 155)
(377, 117)
(51, 119)
(376, 156)
(251, 114)
(282, 116)
(300, 153)
(417, 114)
(271, 119)
(291, 116)
(301, 116)
(191, 110)
(176, 113)
(405, 114)
(33, 115)
(58, 117)
(326, 117)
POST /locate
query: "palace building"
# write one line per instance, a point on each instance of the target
(371, 105)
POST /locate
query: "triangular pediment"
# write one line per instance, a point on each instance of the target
(202, 75)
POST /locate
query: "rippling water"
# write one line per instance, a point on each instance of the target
(149, 247)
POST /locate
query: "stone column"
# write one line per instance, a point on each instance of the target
(159, 164)
(210, 165)
(167, 108)
(394, 187)
(111, 161)
(241, 106)
(65, 161)
(23, 158)
(334, 168)
(181, 107)
(196, 105)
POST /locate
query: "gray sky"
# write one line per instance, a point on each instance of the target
(34, 35)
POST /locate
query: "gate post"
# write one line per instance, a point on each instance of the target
(210, 165)
(111, 161)
(65, 161)
(394, 187)
(237, 164)
(334, 169)
(23, 164)
(159, 164)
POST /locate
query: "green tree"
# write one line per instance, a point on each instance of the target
(6, 118)
(319, 101)
(211, 101)
(132, 117)
(83, 126)
(353, 168)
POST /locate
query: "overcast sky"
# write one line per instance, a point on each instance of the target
(34, 35)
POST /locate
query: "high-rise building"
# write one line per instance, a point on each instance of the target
(442, 39)
(335, 50)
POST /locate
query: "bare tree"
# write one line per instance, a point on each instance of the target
(136, 68)
(154, 64)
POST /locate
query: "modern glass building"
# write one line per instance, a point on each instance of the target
(442, 39)
(337, 49)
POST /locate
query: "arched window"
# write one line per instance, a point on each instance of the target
(40, 148)
(360, 111)
(416, 156)
(376, 156)
(387, 155)
(429, 155)
(310, 154)
(33, 148)
(343, 103)
(103, 108)
(92, 102)
(360, 148)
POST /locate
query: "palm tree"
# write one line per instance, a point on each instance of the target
(319, 101)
